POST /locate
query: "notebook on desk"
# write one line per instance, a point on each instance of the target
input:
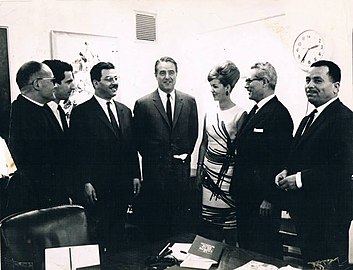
(72, 258)
(95, 267)
(203, 253)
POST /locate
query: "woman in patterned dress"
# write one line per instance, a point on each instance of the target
(217, 156)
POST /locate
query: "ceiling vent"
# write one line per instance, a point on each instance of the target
(146, 27)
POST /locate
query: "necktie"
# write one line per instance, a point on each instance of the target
(253, 111)
(310, 120)
(169, 110)
(113, 121)
(62, 118)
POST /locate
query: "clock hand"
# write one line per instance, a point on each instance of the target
(305, 55)
(313, 47)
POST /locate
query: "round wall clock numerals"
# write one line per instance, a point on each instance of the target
(308, 48)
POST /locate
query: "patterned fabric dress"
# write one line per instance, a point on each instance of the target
(217, 205)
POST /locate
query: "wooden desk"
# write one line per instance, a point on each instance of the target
(134, 258)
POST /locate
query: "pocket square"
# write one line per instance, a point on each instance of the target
(258, 130)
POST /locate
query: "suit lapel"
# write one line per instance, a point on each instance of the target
(319, 121)
(300, 138)
(158, 103)
(52, 119)
(260, 115)
(121, 115)
(300, 129)
(101, 114)
(177, 108)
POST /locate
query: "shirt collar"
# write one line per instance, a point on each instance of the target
(102, 101)
(323, 106)
(53, 105)
(163, 95)
(33, 101)
(262, 102)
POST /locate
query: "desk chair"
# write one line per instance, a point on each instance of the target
(26, 235)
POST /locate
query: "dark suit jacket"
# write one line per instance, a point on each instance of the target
(33, 146)
(262, 148)
(104, 158)
(157, 140)
(324, 156)
(62, 151)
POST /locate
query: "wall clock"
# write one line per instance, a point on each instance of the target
(308, 48)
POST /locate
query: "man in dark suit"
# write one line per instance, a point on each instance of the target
(262, 146)
(64, 80)
(166, 127)
(64, 85)
(31, 134)
(106, 156)
(318, 172)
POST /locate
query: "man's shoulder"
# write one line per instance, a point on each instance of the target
(276, 106)
(122, 106)
(84, 105)
(340, 109)
(83, 110)
(148, 97)
(22, 104)
(184, 95)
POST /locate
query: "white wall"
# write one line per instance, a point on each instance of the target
(197, 34)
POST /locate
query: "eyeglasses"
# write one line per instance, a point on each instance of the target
(111, 79)
(248, 81)
(52, 79)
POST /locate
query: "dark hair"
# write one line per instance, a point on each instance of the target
(26, 72)
(334, 72)
(165, 59)
(226, 73)
(96, 71)
(58, 68)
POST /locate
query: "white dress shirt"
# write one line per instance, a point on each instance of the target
(33, 101)
(54, 107)
(164, 98)
(103, 103)
(262, 102)
(298, 176)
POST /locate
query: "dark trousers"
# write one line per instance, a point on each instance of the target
(164, 201)
(259, 233)
(321, 239)
(106, 221)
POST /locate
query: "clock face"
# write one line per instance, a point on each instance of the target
(308, 48)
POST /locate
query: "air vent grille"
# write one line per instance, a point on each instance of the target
(145, 27)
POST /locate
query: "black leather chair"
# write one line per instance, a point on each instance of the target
(26, 235)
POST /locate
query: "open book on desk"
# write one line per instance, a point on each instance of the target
(203, 253)
(256, 265)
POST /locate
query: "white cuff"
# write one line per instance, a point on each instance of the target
(298, 179)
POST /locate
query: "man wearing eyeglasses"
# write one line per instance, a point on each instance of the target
(108, 172)
(30, 139)
(262, 147)
(166, 125)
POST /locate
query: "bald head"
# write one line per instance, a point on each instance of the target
(35, 80)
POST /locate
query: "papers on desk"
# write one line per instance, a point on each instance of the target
(180, 251)
(350, 247)
(72, 258)
(197, 262)
(255, 265)
(202, 253)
